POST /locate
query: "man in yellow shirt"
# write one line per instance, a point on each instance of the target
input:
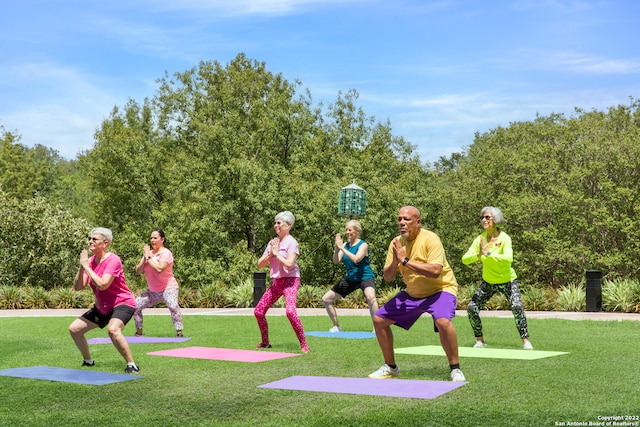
(431, 288)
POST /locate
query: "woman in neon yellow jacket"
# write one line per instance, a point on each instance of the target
(493, 248)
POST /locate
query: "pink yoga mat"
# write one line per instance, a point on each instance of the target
(228, 354)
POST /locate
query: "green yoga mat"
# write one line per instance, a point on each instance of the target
(487, 352)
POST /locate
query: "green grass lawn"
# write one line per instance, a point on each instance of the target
(599, 377)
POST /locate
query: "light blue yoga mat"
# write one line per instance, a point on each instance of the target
(79, 376)
(350, 335)
(486, 352)
(139, 340)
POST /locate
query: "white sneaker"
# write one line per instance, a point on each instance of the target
(385, 371)
(457, 376)
(335, 329)
(480, 344)
(527, 346)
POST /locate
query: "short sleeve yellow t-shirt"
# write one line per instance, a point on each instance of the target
(425, 248)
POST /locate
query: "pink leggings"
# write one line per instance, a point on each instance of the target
(287, 286)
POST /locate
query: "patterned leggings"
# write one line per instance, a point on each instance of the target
(148, 299)
(287, 286)
(486, 291)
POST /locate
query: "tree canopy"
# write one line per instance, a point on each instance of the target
(220, 149)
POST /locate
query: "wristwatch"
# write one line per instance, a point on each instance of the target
(405, 261)
(488, 253)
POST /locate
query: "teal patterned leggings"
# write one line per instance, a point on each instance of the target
(484, 292)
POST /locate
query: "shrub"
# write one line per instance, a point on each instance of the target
(70, 298)
(11, 298)
(188, 298)
(387, 293)
(538, 299)
(211, 296)
(36, 297)
(355, 299)
(465, 293)
(41, 242)
(497, 302)
(571, 297)
(240, 296)
(620, 295)
(310, 296)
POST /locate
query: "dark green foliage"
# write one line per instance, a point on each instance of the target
(40, 243)
(220, 149)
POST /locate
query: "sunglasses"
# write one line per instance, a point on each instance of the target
(487, 217)
(94, 239)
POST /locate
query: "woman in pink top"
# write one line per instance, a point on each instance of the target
(281, 254)
(157, 265)
(115, 303)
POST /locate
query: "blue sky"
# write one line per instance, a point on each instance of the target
(439, 71)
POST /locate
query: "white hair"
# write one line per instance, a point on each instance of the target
(287, 217)
(104, 232)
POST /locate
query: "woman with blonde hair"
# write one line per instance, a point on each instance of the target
(355, 255)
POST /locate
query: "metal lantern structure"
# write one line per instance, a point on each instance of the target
(352, 202)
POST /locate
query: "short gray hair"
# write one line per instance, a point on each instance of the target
(104, 232)
(287, 217)
(496, 213)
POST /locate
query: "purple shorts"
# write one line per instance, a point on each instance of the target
(405, 310)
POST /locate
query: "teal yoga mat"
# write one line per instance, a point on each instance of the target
(486, 352)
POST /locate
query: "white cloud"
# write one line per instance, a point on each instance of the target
(246, 7)
(54, 106)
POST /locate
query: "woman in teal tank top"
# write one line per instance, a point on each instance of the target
(355, 255)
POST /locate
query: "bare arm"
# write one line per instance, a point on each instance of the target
(399, 254)
(81, 280)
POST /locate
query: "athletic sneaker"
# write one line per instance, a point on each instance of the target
(335, 329)
(385, 371)
(85, 363)
(479, 344)
(457, 376)
(179, 335)
(131, 369)
(527, 346)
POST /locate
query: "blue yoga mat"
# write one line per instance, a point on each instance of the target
(79, 376)
(350, 335)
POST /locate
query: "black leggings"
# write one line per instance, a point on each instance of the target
(484, 292)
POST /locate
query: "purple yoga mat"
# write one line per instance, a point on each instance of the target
(227, 354)
(417, 389)
(138, 340)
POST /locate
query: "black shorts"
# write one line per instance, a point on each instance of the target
(122, 312)
(345, 287)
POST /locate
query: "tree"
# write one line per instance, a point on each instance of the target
(567, 186)
(25, 171)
